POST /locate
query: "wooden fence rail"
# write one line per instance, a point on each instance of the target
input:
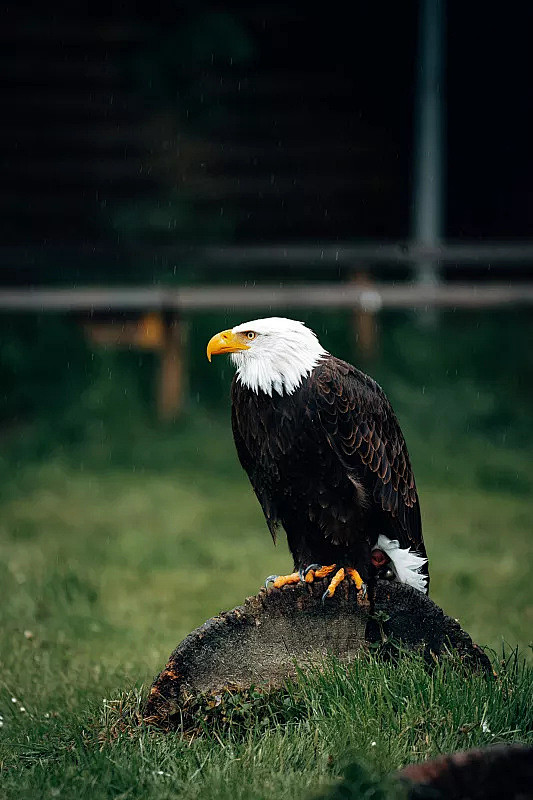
(158, 312)
(367, 297)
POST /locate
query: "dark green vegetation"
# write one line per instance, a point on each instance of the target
(117, 537)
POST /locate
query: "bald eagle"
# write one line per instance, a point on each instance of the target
(325, 456)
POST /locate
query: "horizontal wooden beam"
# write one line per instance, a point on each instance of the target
(350, 296)
(86, 299)
(270, 298)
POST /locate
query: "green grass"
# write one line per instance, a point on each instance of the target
(104, 568)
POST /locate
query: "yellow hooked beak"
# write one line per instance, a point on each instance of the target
(226, 342)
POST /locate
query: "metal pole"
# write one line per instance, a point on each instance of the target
(429, 135)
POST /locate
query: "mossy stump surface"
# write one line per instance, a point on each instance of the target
(262, 642)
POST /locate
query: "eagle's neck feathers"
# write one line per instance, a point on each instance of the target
(279, 362)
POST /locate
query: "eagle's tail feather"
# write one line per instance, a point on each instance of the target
(407, 564)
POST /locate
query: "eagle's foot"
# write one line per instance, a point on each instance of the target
(307, 575)
(316, 571)
(340, 575)
(356, 578)
(278, 581)
(304, 575)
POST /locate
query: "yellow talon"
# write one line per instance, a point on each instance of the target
(340, 575)
(324, 571)
(337, 578)
(356, 578)
(285, 580)
(312, 574)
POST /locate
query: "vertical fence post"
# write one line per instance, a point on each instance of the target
(364, 319)
(428, 190)
(171, 383)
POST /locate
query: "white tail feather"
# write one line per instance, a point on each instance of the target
(407, 564)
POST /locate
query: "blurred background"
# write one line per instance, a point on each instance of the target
(173, 169)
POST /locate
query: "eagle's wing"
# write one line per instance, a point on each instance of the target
(364, 433)
(251, 467)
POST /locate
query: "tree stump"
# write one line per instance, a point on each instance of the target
(262, 642)
(489, 773)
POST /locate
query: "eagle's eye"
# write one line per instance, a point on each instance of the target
(250, 335)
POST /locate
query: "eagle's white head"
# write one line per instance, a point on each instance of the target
(271, 355)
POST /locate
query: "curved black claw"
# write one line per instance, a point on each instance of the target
(270, 579)
(310, 567)
(363, 591)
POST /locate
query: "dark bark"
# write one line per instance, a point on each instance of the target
(260, 642)
(491, 773)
